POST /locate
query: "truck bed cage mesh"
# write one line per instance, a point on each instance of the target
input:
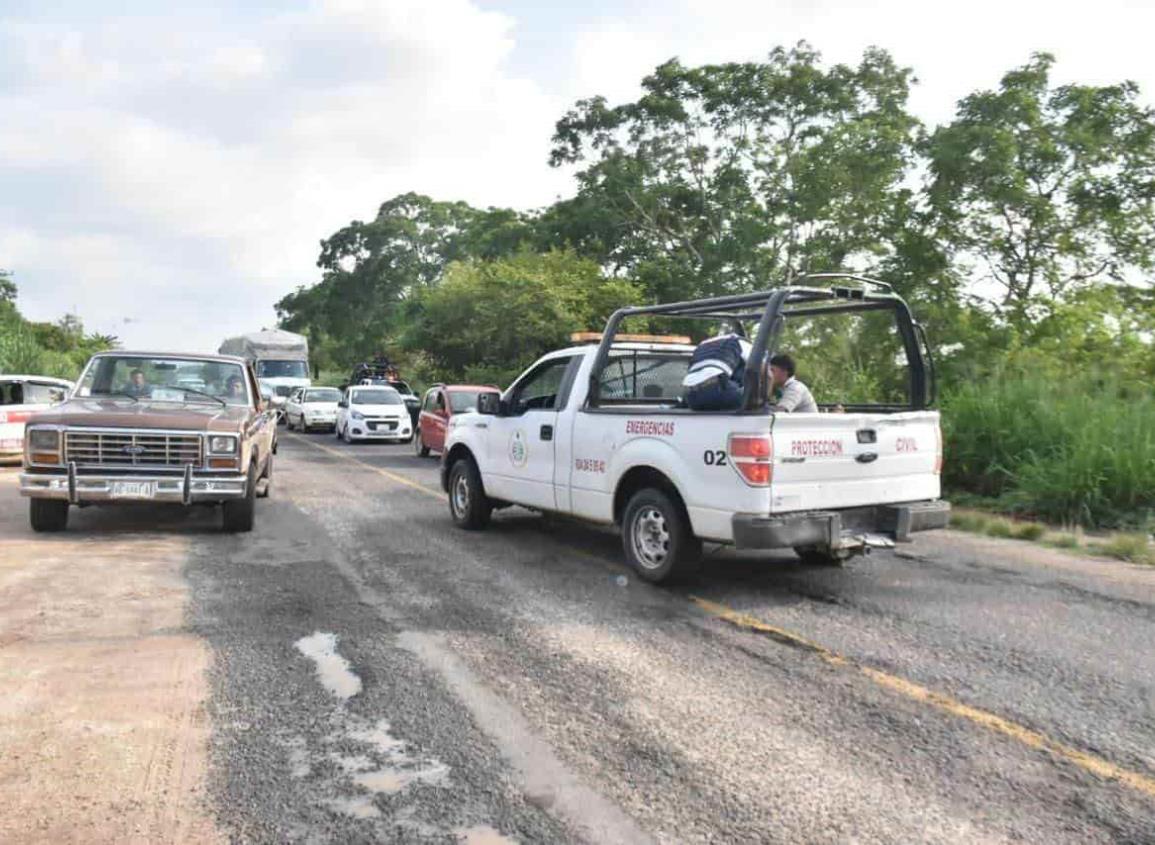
(802, 297)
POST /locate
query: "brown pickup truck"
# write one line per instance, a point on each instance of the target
(152, 427)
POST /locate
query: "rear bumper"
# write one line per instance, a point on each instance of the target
(179, 489)
(840, 529)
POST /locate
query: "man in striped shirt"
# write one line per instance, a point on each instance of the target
(794, 397)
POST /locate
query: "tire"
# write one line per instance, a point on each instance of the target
(419, 445)
(337, 430)
(820, 556)
(468, 504)
(48, 514)
(268, 477)
(657, 538)
(237, 515)
(347, 437)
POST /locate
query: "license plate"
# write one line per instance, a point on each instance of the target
(11, 445)
(132, 490)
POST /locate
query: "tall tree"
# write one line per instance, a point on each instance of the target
(372, 268)
(725, 177)
(1046, 188)
(487, 319)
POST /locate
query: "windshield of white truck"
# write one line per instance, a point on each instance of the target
(282, 369)
(184, 380)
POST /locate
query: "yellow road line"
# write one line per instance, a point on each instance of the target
(1033, 739)
(392, 476)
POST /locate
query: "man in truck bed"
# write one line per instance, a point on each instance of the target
(793, 395)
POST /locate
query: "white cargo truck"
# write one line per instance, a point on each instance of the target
(601, 432)
(280, 358)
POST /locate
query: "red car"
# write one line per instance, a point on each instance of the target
(441, 402)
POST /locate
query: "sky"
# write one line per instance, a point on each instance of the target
(168, 175)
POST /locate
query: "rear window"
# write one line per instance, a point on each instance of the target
(464, 400)
(323, 394)
(643, 376)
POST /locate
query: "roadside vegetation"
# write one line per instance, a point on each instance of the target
(1130, 546)
(57, 349)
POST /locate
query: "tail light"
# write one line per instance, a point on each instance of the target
(752, 456)
(937, 449)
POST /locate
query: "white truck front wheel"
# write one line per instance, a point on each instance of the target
(468, 504)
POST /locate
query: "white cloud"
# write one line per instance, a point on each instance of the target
(192, 178)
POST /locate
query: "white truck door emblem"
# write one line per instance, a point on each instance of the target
(518, 448)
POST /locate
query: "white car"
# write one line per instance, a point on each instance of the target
(312, 407)
(373, 413)
(20, 398)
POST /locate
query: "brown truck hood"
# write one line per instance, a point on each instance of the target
(124, 413)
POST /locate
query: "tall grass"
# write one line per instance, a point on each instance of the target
(1060, 450)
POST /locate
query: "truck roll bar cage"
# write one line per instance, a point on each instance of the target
(770, 308)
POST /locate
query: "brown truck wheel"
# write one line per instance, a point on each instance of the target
(237, 514)
(48, 514)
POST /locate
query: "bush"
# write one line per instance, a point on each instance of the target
(1135, 548)
(968, 521)
(1027, 531)
(1065, 452)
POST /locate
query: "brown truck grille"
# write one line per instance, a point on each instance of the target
(131, 449)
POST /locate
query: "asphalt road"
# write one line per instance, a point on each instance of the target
(378, 675)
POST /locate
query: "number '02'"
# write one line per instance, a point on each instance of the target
(714, 457)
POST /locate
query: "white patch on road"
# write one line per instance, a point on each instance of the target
(332, 669)
(397, 769)
(361, 807)
(482, 834)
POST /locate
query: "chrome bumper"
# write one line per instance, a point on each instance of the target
(181, 489)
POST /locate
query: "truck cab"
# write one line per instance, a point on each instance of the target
(601, 431)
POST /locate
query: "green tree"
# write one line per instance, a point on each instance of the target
(7, 288)
(371, 270)
(1046, 189)
(728, 177)
(488, 319)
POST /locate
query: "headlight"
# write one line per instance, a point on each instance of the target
(357, 415)
(222, 445)
(43, 440)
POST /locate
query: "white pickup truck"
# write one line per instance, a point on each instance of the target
(600, 432)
